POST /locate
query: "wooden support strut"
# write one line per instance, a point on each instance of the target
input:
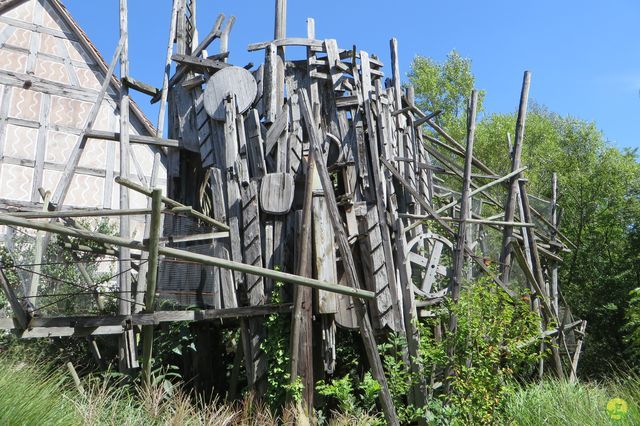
(152, 279)
(189, 256)
(168, 201)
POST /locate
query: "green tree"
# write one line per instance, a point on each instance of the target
(443, 86)
(599, 187)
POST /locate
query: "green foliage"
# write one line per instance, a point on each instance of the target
(276, 349)
(495, 342)
(359, 402)
(444, 86)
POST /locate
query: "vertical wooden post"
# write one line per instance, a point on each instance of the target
(167, 68)
(459, 248)
(301, 331)
(576, 355)
(280, 31)
(366, 330)
(510, 207)
(554, 265)
(152, 279)
(126, 348)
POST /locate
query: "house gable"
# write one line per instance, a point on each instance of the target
(50, 78)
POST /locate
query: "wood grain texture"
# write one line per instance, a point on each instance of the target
(236, 82)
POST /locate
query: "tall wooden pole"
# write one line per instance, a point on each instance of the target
(126, 351)
(167, 68)
(510, 207)
(279, 32)
(459, 248)
(554, 221)
(152, 279)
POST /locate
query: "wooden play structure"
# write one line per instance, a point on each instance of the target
(316, 172)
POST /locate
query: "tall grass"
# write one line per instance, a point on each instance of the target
(28, 396)
(553, 402)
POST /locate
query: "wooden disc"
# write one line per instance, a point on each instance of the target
(235, 81)
(276, 193)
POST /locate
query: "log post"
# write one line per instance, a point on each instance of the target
(126, 348)
(152, 280)
(459, 248)
(510, 207)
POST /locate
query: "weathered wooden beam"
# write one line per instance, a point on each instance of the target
(127, 358)
(168, 201)
(484, 188)
(164, 91)
(140, 86)
(292, 41)
(186, 255)
(56, 214)
(510, 207)
(152, 279)
(199, 63)
(576, 355)
(135, 139)
(213, 34)
(113, 324)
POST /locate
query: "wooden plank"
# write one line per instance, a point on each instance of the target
(270, 100)
(257, 165)
(324, 254)
(112, 324)
(395, 317)
(301, 329)
(276, 129)
(200, 64)
(366, 330)
(251, 242)
(291, 41)
(576, 355)
(140, 86)
(410, 317)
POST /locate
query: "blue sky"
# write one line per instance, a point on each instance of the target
(584, 55)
